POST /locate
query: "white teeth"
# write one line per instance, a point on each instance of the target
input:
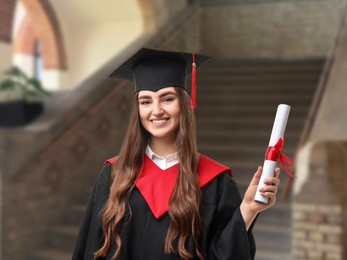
(159, 121)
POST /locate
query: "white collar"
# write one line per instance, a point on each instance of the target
(162, 162)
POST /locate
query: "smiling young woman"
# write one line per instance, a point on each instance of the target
(159, 198)
(159, 115)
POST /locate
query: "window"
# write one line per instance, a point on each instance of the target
(37, 60)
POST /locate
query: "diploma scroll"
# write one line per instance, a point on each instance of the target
(276, 137)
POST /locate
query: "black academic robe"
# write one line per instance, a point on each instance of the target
(224, 235)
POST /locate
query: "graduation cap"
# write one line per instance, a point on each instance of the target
(155, 69)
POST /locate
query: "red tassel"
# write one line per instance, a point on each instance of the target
(193, 90)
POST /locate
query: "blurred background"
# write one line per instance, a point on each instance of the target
(61, 117)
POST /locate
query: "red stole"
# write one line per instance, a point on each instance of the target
(156, 185)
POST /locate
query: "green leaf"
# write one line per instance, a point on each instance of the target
(36, 84)
(31, 93)
(16, 72)
(19, 82)
(8, 85)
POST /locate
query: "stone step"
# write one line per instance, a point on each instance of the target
(261, 101)
(75, 214)
(213, 80)
(245, 121)
(273, 254)
(247, 97)
(246, 111)
(234, 76)
(253, 86)
(253, 90)
(272, 236)
(262, 68)
(237, 138)
(63, 237)
(243, 170)
(277, 214)
(235, 111)
(259, 64)
(50, 254)
(238, 124)
(221, 69)
(239, 153)
(243, 177)
(263, 128)
(271, 104)
(222, 133)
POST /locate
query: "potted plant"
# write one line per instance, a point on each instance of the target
(21, 98)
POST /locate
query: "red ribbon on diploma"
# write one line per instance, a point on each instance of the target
(273, 153)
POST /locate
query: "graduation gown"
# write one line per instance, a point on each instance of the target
(224, 235)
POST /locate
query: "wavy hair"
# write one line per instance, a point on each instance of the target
(185, 221)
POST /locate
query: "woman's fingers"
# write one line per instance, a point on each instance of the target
(271, 196)
(277, 172)
(268, 189)
(274, 181)
(256, 177)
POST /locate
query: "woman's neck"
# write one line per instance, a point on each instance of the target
(163, 147)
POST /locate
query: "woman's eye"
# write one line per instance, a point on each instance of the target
(145, 102)
(168, 99)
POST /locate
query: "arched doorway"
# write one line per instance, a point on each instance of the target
(38, 47)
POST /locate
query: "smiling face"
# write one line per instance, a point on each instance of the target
(160, 112)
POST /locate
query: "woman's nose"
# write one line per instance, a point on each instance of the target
(157, 109)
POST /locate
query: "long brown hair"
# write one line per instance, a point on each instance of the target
(184, 202)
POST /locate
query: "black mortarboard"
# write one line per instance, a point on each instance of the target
(155, 69)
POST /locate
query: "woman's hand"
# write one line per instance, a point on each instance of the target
(249, 207)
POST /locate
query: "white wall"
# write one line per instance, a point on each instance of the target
(88, 48)
(5, 63)
(94, 35)
(6, 58)
(25, 62)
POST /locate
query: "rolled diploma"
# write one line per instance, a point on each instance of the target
(278, 130)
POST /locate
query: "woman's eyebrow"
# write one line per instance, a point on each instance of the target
(161, 95)
(168, 93)
(144, 97)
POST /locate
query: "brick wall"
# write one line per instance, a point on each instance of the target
(236, 2)
(48, 31)
(320, 203)
(317, 232)
(6, 14)
(272, 29)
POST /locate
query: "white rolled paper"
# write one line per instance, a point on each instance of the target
(278, 130)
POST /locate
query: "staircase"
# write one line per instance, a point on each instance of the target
(61, 239)
(236, 104)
